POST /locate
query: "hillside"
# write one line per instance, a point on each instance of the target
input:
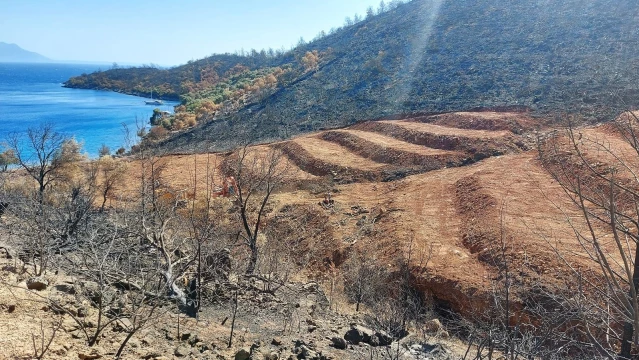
(463, 190)
(170, 84)
(436, 180)
(424, 56)
(449, 230)
(14, 53)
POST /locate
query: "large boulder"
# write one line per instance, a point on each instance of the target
(37, 283)
(358, 334)
(339, 343)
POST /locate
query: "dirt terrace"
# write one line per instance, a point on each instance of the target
(488, 120)
(448, 131)
(461, 192)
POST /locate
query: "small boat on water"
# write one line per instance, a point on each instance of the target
(153, 102)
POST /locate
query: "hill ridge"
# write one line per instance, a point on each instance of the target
(575, 56)
(14, 53)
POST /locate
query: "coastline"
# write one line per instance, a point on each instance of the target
(34, 93)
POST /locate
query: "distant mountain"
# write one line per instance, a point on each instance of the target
(14, 53)
(551, 57)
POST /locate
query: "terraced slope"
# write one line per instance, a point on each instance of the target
(461, 199)
(448, 131)
(390, 143)
(389, 150)
(485, 120)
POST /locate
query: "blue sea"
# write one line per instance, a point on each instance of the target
(31, 94)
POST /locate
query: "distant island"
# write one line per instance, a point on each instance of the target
(14, 53)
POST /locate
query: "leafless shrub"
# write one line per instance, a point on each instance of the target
(40, 348)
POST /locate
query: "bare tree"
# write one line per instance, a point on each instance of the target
(104, 151)
(48, 222)
(258, 176)
(605, 189)
(157, 217)
(39, 154)
(112, 175)
(362, 279)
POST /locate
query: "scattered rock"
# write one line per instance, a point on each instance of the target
(96, 294)
(311, 328)
(152, 355)
(339, 343)
(134, 343)
(191, 338)
(91, 356)
(185, 336)
(11, 308)
(37, 283)
(69, 325)
(66, 288)
(147, 340)
(277, 341)
(381, 338)
(307, 353)
(12, 269)
(243, 354)
(182, 351)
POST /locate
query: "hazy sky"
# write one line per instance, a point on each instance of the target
(165, 32)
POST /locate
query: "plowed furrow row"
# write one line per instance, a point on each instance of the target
(478, 148)
(434, 159)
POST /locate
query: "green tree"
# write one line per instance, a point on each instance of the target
(157, 117)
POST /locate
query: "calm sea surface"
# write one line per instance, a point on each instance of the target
(31, 94)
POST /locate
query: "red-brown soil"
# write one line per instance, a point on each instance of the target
(495, 121)
(457, 214)
(473, 191)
